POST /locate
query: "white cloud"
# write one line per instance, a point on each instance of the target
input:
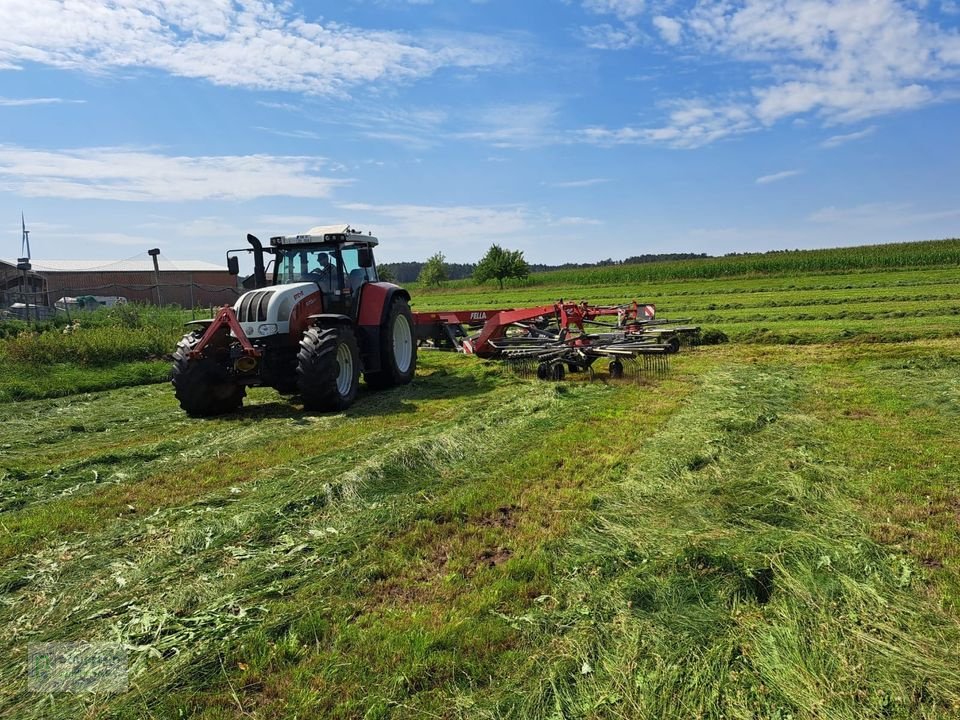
(777, 176)
(579, 183)
(292, 223)
(840, 61)
(575, 220)
(139, 175)
(408, 140)
(424, 226)
(24, 102)
(257, 44)
(296, 134)
(623, 9)
(690, 124)
(880, 215)
(837, 140)
(463, 232)
(610, 37)
(670, 29)
(513, 126)
(289, 107)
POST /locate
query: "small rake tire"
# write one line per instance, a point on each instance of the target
(328, 369)
(398, 349)
(543, 371)
(616, 369)
(200, 385)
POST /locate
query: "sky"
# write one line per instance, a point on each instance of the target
(574, 130)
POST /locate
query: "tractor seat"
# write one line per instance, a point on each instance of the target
(357, 278)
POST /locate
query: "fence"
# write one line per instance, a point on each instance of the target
(41, 305)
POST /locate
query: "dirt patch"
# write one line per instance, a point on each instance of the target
(491, 557)
(890, 534)
(502, 517)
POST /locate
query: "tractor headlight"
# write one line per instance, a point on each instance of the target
(267, 329)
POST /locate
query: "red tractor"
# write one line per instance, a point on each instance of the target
(322, 320)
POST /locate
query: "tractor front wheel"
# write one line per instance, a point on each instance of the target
(202, 386)
(328, 368)
(398, 350)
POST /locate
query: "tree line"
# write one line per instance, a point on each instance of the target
(501, 264)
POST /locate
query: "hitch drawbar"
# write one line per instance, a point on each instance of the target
(227, 317)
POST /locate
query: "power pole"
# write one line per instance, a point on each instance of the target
(156, 271)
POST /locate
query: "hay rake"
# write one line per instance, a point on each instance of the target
(551, 340)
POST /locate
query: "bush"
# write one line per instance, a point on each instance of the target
(123, 333)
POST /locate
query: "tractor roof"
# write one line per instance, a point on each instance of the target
(325, 233)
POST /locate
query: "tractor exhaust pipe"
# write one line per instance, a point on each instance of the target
(259, 273)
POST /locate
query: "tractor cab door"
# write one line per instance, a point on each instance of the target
(354, 277)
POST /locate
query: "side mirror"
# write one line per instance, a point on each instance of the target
(365, 257)
(233, 265)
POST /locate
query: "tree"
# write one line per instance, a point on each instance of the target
(499, 264)
(434, 271)
(385, 273)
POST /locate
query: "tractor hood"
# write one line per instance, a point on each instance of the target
(266, 311)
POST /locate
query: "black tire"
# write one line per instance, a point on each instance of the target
(324, 384)
(203, 387)
(397, 344)
(557, 372)
(616, 369)
(673, 344)
(543, 371)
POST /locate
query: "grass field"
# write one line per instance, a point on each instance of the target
(770, 531)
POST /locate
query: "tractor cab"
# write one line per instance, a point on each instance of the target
(338, 259)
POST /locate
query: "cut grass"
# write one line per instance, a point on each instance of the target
(771, 531)
(517, 550)
(730, 575)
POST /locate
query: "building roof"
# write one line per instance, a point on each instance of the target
(134, 265)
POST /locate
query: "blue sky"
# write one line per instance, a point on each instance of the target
(574, 130)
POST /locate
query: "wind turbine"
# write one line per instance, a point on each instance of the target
(23, 264)
(25, 240)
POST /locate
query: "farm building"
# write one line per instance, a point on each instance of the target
(187, 283)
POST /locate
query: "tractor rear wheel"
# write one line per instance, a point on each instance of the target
(202, 387)
(398, 351)
(328, 368)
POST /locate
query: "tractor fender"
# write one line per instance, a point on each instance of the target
(201, 323)
(330, 319)
(375, 301)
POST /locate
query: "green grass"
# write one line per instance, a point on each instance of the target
(894, 306)
(770, 531)
(107, 348)
(719, 542)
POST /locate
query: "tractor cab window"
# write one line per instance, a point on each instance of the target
(354, 275)
(313, 264)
